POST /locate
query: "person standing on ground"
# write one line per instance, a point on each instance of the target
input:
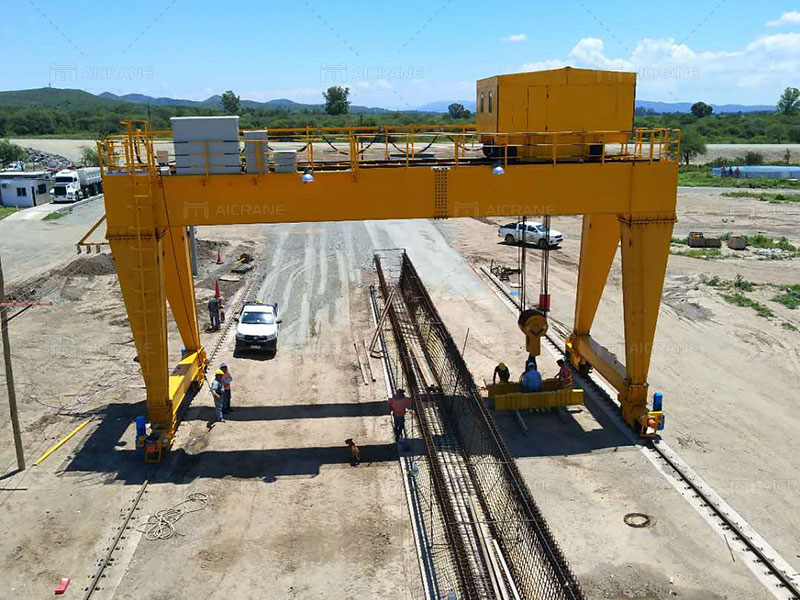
(398, 407)
(213, 313)
(226, 382)
(501, 371)
(564, 374)
(218, 392)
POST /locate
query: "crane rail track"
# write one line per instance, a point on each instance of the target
(775, 571)
(107, 559)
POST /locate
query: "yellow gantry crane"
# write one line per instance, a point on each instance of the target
(558, 142)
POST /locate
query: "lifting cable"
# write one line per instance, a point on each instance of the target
(544, 284)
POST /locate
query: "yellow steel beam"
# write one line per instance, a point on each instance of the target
(599, 241)
(645, 250)
(404, 193)
(180, 285)
(189, 370)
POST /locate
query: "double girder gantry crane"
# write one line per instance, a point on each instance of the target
(558, 142)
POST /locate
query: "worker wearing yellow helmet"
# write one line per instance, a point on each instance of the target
(218, 392)
(501, 371)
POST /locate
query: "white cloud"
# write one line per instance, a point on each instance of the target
(671, 71)
(514, 37)
(787, 18)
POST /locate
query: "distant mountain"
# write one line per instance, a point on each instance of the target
(441, 106)
(68, 98)
(685, 107)
(216, 100)
(52, 98)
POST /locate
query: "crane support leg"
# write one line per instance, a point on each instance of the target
(180, 285)
(141, 279)
(645, 250)
(153, 267)
(599, 242)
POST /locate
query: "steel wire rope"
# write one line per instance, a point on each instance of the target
(161, 524)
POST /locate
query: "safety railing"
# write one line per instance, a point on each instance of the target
(310, 149)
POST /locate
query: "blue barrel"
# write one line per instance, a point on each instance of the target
(141, 426)
(658, 403)
(658, 400)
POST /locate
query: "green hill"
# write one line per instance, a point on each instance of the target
(53, 98)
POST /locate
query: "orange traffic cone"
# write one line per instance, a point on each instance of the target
(219, 257)
(216, 290)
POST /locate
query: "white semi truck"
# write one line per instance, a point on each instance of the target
(72, 185)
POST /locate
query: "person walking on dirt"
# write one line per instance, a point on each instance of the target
(218, 392)
(213, 313)
(226, 383)
(398, 407)
(501, 371)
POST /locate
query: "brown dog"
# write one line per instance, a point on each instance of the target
(355, 453)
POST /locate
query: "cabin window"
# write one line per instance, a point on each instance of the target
(41, 188)
(481, 108)
(22, 192)
(490, 102)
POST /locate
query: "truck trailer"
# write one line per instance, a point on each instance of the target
(72, 185)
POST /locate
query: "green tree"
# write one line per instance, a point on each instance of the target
(89, 156)
(701, 109)
(775, 133)
(336, 102)
(457, 111)
(692, 144)
(789, 102)
(10, 152)
(794, 134)
(231, 103)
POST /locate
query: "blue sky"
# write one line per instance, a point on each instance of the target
(398, 54)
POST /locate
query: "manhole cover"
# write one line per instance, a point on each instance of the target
(638, 520)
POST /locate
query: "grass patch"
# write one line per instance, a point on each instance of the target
(7, 210)
(789, 296)
(714, 281)
(702, 177)
(739, 299)
(740, 283)
(764, 196)
(788, 326)
(682, 241)
(702, 253)
(58, 214)
(760, 240)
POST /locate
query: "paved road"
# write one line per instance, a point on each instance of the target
(29, 246)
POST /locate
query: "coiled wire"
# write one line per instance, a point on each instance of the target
(161, 524)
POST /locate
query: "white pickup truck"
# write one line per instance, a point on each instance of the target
(257, 327)
(533, 233)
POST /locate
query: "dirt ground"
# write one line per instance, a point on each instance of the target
(727, 375)
(288, 517)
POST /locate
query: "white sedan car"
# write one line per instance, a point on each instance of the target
(257, 327)
(531, 232)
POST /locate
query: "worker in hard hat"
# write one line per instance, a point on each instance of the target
(501, 371)
(564, 375)
(227, 378)
(218, 392)
(532, 379)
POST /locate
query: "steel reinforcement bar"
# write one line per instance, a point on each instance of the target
(538, 567)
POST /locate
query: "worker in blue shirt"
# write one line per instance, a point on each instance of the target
(532, 380)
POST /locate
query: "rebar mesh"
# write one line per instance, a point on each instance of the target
(428, 356)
